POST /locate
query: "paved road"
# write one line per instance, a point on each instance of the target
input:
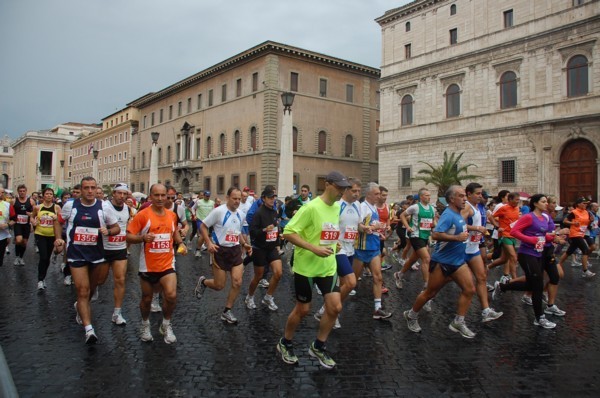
(45, 351)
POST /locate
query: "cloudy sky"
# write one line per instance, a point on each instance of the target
(80, 60)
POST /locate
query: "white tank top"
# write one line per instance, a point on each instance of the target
(474, 236)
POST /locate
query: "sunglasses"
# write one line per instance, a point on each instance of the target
(171, 197)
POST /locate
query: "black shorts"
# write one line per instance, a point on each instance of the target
(115, 255)
(304, 284)
(589, 240)
(228, 257)
(578, 243)
(22, 230)
(418, 243)
(80, 264)
(263, 257)
(155, 277)
(447, 269)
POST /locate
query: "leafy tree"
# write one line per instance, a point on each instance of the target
(447, 174)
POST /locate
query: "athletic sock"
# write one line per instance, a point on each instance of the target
(377, 304)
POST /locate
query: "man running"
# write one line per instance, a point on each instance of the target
(448, 263)
(156, 228)
(23, 206)
(226, 251)
(507, 216)
(314, 230)
(86, 219)
(383, 210)
(202, 208)
(578, 222)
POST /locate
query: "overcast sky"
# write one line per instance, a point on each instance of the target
(81, 60)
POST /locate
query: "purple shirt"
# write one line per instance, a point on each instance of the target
(531, 231)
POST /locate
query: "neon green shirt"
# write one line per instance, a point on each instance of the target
(318, 224)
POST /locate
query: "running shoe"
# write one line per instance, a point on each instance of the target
(68, 281)
(554, 310)
(167, 332)
(337, 324)
(504, 279)
(197, 253)
(200, 287)
(395, 256)
(462, 329)
(398, 279)
(413, 324)
(17, 262)
(497, 291)
(269, 302)
(352, 293)
(250, 303)
(545, 297)
(385, 266)
(118, 319)
(94, 297)
(322, 355)
(401, 262)
(576, 260)
(587, 274)
(415, 266)
(77, 317)
(155, 304)
(427, 306)
(318, 315)
(41, 285)
(384, 290)
(381, 314)
(367, 273)
(490, 287)
(527, 299)
(489, 314)
(287, 353)
(263, 283)
(543, 322)
(145, 333)
(228, 317)
(90, 337)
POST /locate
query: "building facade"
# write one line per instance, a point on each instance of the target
(513, 84)
(221, 126)
(44, 157)
(6, 162)
(111, 145)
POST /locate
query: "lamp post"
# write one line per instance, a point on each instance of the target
(154, 159)
(95, 153)
(285, 182)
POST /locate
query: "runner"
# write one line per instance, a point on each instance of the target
(23, 206)
(68, 279)
(202, 208)
(44, 219)
(6, 213)
(226, 251)
(156, 228)
(578, 221)
(314, 230)
(476, 228)
(368, 247)
(383, 210)
(87, 218)
(448, 263)
(507, 216)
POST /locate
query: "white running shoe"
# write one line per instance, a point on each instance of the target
(263, 283)
(554, 310)
(95, 295)
(398, 279)
(337, 324)
(587, 274)
(462, 329)
(68, 281)
(250, 304)
(77, 317)
(145, 333)
(543, 322)
(118, 319)
(155, 305)
(489, 314)
(41, 285)
(270, 302)
(167, 332)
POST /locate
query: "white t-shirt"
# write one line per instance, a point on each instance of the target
(117, 242)
(227, 225)
(349, 220)
(245, 208)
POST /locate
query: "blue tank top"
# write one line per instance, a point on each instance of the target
(84, 242)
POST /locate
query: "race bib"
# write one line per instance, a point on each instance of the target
(160, 244)
(46, 221)
(583, 229)
(539, 245)
(350, 234)
(117, 238)
(272, 235)
(425, 224)
(330, 234)
(85, 236)
(22, 219)
(475, 237)
(232, 237)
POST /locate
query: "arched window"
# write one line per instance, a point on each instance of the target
(143, 161)
(453, 9)
(295, 138)
(406, 108)
(253, 138)
(348, 146)
(222, 144)
(577, 76)
(452, 101)
(508, 90)
(407, 27)
(236, 141)
(322, 147)
(208, 147)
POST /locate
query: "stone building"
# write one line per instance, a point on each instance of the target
(112, 147)
(221, 126)
(44, 157)
(514, 84)
(6, 162)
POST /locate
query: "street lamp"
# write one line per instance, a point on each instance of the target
(154, 159)
(285, 183)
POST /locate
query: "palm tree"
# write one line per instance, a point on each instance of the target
(447, 174)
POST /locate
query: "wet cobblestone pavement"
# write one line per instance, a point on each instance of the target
(45, 350)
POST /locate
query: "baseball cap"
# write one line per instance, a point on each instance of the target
(485, 195)
(268, 193)
(246, 189)
(337, 178)
(121, 186)
(582, 200)
(206, 193)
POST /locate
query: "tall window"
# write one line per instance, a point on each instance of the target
(133, 164)
(220, 185)
(224, 93)
(151, 122)
(178, 152)
(295, 139)
(255, 81)
(577, 76)
(406, 108)
(349, 93)
(508, 18)
(160, 117)
(159, 155)
(236, 141)
(238, 88)
(179, 108)
(253, 138)
(322, 143)
(453, 101)
(323, 87)
(199, 104)
(293, 81)
(170, 112)
(189, 105)
(235, 180)
(143, 159)
(508, 90)
(407, 27)
(222, 143)
(208, 147)
(198, 152)
(453, 36)
(169, 154)
(508, 171)
(405, 176)
(210, 97)
(453, 9)
(407, 51)
(348, 146)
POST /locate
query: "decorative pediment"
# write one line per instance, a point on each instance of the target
(513, 65)
(584, 48)
(455, 78)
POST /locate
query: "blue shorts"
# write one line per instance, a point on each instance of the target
(366, 255)
(198, 223)
(469, 256)
(447, 269)
(344, 264)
